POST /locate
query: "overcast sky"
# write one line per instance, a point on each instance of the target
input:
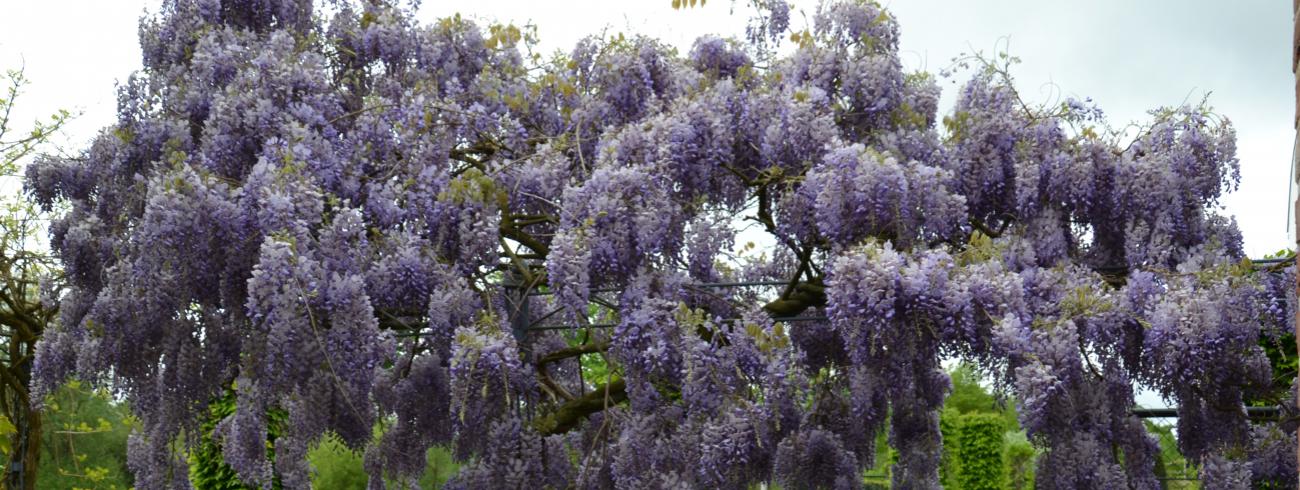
(1129, 56)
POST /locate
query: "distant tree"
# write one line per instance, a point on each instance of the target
(26, 266)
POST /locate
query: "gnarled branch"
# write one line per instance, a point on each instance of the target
(805, 295)
(570, 414)
(574, 351)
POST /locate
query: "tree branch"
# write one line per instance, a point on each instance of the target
(805, 295)
(568, 415)
(509, 230)
(575, 351)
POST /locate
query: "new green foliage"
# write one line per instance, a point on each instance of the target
(84, 440)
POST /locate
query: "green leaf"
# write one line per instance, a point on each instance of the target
(6, 428)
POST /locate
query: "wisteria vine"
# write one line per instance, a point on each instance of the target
(406, 236)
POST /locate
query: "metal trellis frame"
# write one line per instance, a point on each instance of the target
(1254, 413)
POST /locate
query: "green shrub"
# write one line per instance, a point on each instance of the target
(1020, 461)
(948, 464)
(979, 452)
(338, 468)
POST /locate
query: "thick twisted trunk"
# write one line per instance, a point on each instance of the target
(25, 442)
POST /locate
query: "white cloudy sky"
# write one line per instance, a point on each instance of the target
(1130, 56)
